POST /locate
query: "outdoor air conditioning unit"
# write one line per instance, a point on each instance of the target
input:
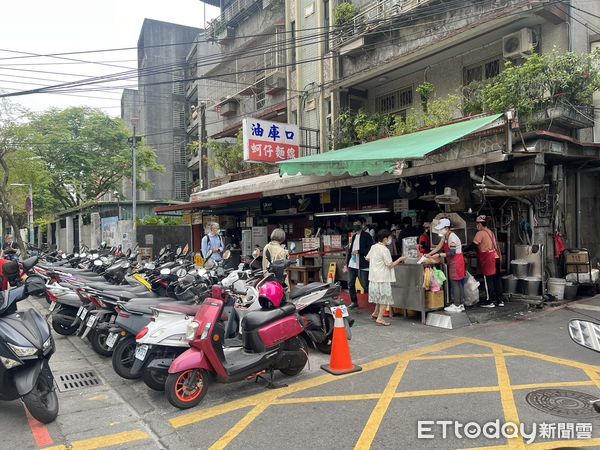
(229, 108)
(518, 44)
(275, 83)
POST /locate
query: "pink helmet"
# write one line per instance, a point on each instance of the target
(270, 292)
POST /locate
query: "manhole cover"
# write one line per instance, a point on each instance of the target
(563, 403)
(76, 380)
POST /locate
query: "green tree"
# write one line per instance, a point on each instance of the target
(227, 156)
(86, 153)
(11, 140)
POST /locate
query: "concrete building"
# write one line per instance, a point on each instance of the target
(162, 51)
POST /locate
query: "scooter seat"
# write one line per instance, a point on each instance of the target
(143, 305)
(117, 287)
(188, 310)
(308, 289)
(257, 319)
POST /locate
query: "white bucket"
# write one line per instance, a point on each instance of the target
(556, 287)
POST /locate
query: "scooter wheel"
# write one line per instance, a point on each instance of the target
(62, 328)
(297, 344)
(123, 357)
(187, 388)
(154, 379)
(98, 341)
(41, 403)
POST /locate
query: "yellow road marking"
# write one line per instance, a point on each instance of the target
(518, 387)
(198, 416)
(103, 441)
(325, 399)
(239, 427)
(520, 352)
(450, 391)
(506, 395)
(372, 427)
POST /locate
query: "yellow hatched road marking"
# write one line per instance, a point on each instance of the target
(461, 356)
(506, 395)
(239, 427)
(104, 441)
(372, 427)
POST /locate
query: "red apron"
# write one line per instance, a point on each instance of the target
(486, 263)
(456, 264)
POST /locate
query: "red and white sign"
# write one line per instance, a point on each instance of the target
(270, 142)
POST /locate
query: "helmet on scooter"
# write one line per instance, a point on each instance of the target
(270, 295)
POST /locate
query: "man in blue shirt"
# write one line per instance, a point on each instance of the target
(212, 244)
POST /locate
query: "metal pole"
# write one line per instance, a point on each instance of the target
(30, 215)
(203, 150)
(134, 123)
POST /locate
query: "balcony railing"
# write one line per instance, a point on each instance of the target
(233, 13)
(376, 15)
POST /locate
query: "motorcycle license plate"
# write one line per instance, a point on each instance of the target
(83, 313)
(111, 339)
(343, 308)
(79, 311)
(140, 352)
(52, 306)
(91, 321)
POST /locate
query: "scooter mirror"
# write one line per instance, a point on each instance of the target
(210, 264)
(162, 251)
(76, 255)
(151, 266)
(185, 250)
(181, 273)
(585, 333)
(63, 256)
(178, 251)
(83, 255)
(97, 262)
(226, 254)
(165, 271)
(193, 272)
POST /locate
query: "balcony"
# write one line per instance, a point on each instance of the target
(377, 15)
(223, 27)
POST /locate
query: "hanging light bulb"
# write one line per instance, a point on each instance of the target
(432, 181)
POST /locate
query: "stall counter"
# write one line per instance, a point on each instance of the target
(408, 292)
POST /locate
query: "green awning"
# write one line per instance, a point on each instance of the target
(378, 157)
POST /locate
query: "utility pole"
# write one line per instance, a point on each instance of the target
(134, 123)
(203, 149)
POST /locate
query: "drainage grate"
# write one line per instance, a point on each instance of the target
(77, 380)
(563, 403)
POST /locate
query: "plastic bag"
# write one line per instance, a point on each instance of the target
(471, 290)
(439, 275)
(434, 285)
(427, 278)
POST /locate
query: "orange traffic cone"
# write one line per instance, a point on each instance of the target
(329, 278)
(340, 361)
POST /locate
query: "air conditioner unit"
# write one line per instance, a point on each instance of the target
(228, 108)
(275, 83)
(518, 44)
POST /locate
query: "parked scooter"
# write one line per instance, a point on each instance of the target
(26, 346)
(586, 334)
(271, 341)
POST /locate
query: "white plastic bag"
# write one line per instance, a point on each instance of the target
(471, 290)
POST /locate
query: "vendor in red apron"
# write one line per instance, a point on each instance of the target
(452, 250)
(488, 262)
(425, 240)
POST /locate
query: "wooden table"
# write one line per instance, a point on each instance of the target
(304, 272)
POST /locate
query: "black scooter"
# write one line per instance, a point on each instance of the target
(26, 346)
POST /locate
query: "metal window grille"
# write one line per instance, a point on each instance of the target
(260, 96)
(180, 185)
(395, 101)
(179, 151)
(178, 85)
(483, 71)
(178, 116)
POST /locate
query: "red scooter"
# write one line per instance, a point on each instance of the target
(270, 340)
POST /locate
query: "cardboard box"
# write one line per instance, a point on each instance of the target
(434, 300)
(572, 261)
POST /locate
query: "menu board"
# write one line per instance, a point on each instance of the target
(311, 245)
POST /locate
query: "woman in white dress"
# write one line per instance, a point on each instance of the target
(381, 275)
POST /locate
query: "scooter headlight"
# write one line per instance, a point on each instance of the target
(23, 351)
(205, 331)
(191, 330)
(9, 363)
(47, 344)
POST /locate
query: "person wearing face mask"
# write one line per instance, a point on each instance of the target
(356, 264)
(256, 258)
(452, 250)
(381, 275)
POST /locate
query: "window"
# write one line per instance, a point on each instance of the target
(178, 116)
(483, 71)
(394, 101)
(293, 45)
(326, 24)
(260, 98)
(178, 85)
(179, 156)
(180, 186)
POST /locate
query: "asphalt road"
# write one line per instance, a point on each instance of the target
(482, 374)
